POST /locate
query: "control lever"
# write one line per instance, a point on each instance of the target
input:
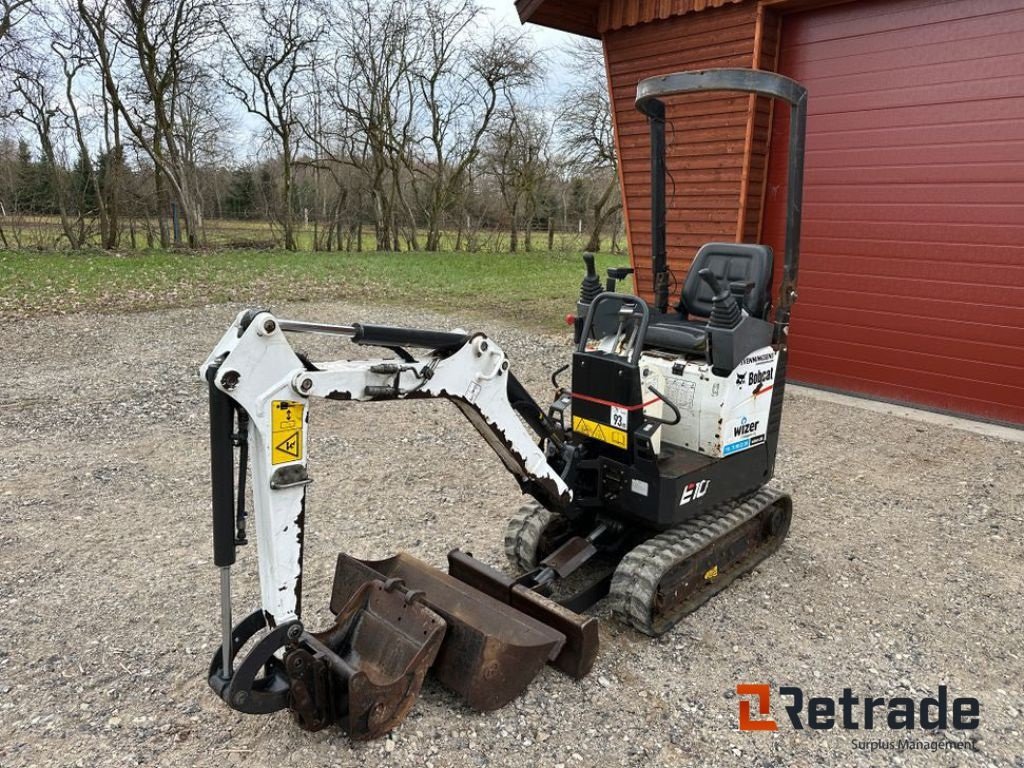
(741, 290)
(725, 312)
(615, 274)
(590, 287)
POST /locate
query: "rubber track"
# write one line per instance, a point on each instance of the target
(523, 532)
(635, 584)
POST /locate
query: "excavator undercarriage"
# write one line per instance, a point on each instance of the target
(648, 476)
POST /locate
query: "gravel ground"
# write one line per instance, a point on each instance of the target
(902, 571)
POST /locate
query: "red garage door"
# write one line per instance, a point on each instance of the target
(912, 273)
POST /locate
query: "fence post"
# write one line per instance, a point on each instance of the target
(175, 223)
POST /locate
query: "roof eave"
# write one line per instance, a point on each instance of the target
(559, 14)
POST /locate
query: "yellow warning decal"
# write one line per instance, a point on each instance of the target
(285, 431)
(601, 432)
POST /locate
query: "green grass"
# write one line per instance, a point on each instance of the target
(532, 289)
(43, 233)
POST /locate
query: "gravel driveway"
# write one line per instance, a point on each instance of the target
(902, 571)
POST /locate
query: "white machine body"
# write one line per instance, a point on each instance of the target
(719, 415)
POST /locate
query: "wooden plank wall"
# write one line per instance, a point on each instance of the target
(759, 131)
(709, 157)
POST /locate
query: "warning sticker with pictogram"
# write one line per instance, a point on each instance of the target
(601, 432)
(286, 431)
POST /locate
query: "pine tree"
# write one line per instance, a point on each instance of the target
(83, 193)
(25, 181)
(240, 200)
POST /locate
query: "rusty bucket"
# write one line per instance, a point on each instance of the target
(366, 671)
(491, 651)
(579, 652)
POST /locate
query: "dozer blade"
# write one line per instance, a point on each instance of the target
(490, 652)
(366, 671)
(581, 632)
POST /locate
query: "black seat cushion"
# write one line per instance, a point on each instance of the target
(730, 263)
(674, 333)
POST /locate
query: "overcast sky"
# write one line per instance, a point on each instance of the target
(550, 42)
(504, 12)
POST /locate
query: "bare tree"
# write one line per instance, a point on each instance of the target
(36, 103)
(151, 55)
(272, 45)
(410, 116)
(340, 185)
(70, 47)
(519, 160)
(203, 133)
(371, 92)
(587, 136)
(11, 12)
(458, 83)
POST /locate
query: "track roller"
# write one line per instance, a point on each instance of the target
(532, 534)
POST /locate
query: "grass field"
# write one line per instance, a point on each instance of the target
(39, 232)
(532, 289)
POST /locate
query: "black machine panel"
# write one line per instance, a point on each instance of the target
(607, 404)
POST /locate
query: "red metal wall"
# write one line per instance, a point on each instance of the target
(912, 274)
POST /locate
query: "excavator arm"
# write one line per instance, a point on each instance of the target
(392, 617)
(256, 368)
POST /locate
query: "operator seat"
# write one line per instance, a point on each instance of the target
(732, 263)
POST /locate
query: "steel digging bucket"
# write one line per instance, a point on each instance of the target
(578, 654)
(490, 652)
(365, 672)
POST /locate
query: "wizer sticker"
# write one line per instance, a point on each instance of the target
(747, 404)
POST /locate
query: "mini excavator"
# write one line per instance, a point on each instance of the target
(647, 476)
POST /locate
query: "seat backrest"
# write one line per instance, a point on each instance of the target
(730, 263)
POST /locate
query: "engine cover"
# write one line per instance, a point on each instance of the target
(720, 415)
